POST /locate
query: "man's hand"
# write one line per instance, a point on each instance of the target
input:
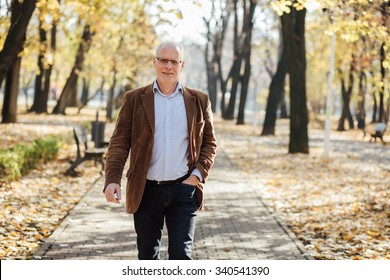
(113, 193)
(192, 180)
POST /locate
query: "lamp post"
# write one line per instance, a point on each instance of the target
(329, 96)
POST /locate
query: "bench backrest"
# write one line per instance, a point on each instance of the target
(80, 137)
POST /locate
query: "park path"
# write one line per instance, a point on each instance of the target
(235, 225)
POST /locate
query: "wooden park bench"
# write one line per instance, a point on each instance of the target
(84, 152)
(375, 130)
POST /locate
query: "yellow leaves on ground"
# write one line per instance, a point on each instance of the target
(34, 206)
(337, 206)
(349, 237)
(373, 233)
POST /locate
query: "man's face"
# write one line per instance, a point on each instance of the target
(168, 65)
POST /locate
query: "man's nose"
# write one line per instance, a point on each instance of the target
(169, 64)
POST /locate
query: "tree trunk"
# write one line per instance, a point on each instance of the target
(215, 40)
(344, 112)
(382, 88)
(210, 69)
(374, 109)
(244, 89)
(85, 91)
(71, 82)
(235, 78)
(73, 94)
(247, 48)
(110, 101)
(89, 98)
(283, 106)
(219, 39)
(223, 85)
(39, 78)
(385, 11)
(276, 90)
(11, 92)
(234, 74)
(42, 107)
(20, 17)
(212, 87)
(293, 26)
(9, 61)
(361, 111)
(387, 115)
(346, 98)
(124, 88)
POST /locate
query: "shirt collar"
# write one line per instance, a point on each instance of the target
(179, 89)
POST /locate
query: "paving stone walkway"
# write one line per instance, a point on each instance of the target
(236, 225)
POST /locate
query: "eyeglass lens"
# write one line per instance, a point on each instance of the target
(165, 61)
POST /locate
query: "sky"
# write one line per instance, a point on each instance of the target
(190, 26)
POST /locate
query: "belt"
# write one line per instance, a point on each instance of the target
(170, 182)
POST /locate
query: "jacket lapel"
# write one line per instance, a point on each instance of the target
(190, 103)
(148, 103)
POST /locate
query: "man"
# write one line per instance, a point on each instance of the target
(168, 130)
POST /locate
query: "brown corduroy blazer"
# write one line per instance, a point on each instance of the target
(133, 135)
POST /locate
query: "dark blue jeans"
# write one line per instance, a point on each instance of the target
(176, 204)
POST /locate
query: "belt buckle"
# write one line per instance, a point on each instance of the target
(159, 183)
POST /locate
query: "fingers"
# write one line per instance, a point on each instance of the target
(119, 194)
(192, 180)
(113, 193)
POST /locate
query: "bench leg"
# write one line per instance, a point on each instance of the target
(70, 170)
(101, 161)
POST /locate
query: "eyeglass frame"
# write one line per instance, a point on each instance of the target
(165, 61)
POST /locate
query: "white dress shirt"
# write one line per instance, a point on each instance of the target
(170, 150)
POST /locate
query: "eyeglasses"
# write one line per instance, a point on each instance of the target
(165, 61)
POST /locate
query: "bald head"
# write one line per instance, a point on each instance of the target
(170, 45)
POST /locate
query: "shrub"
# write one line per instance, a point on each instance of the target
(17, 161)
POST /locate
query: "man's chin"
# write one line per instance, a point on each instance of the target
(168, 79)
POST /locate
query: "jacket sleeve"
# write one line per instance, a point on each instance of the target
(208, 146)
(120, 143)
